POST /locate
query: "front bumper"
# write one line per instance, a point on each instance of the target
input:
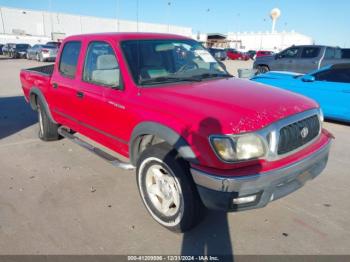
(218, 192)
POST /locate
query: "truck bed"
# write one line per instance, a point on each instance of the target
(38, 77)
(46, 70)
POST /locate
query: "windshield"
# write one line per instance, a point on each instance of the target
(22, 46)
(165, 61)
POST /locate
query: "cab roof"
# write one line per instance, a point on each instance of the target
(125, 36)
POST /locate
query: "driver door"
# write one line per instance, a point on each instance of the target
(331, 89)
(287, 60)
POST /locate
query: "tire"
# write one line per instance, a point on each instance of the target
(164, 177)
(263, 69)
(48, 131)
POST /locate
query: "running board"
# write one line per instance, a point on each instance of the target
(63, 131)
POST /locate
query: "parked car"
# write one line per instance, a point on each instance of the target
(219, 54)
(329, 86)
(261, 53)
(197, 136)
(345, 53)
(18, 50)
(252, 54)
(42, 53)
(233, 54)
(6, 48)
(300, 59)
(1, 46)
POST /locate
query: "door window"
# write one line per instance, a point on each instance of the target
(69, 59)
(341, 75)
(310, 52)
(333, 53)
(292, 52)
(101, 66)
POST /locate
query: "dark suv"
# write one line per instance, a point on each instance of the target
(18, 50)
(345, 53)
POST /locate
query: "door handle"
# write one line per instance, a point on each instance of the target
(80, 94)
(55, 85)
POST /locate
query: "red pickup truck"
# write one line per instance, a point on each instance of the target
(198, 137)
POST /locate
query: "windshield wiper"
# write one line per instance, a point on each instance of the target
(167, 79)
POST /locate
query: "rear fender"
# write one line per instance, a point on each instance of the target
(35, 94)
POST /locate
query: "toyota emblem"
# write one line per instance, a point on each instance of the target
(304, 132)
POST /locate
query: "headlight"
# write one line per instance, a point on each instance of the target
(249, 146)
(237, 148)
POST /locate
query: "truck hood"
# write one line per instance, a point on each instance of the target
(238, 105)
(277, 75)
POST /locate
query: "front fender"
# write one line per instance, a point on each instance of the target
(163, 132)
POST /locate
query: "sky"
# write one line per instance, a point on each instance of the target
(327, 22)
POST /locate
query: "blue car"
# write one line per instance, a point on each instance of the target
(329, 86)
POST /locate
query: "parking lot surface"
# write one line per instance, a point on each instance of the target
(57, 198)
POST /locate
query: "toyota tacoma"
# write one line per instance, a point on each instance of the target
(197, 137)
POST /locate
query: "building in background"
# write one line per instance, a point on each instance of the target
(30, 26)
(270, 41)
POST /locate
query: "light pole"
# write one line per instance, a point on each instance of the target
(137, 15)
(51, 20)
(168, 15)
(118, 14)
(2, 20)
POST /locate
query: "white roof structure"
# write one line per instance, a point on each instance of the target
(268, 41)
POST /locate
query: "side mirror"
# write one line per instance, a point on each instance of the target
(278, 56)
(308, 78)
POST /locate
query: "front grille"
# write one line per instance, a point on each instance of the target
(291, 136)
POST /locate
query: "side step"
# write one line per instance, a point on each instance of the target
(63, 131)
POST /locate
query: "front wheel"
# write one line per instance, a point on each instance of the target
(167, 189)
(262, 69)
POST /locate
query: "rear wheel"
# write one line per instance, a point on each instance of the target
(48, 131)
(167, 189)
(263, 69)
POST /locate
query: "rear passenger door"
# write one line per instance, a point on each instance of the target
(309, 59)
(64, 83)
(332, 56)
